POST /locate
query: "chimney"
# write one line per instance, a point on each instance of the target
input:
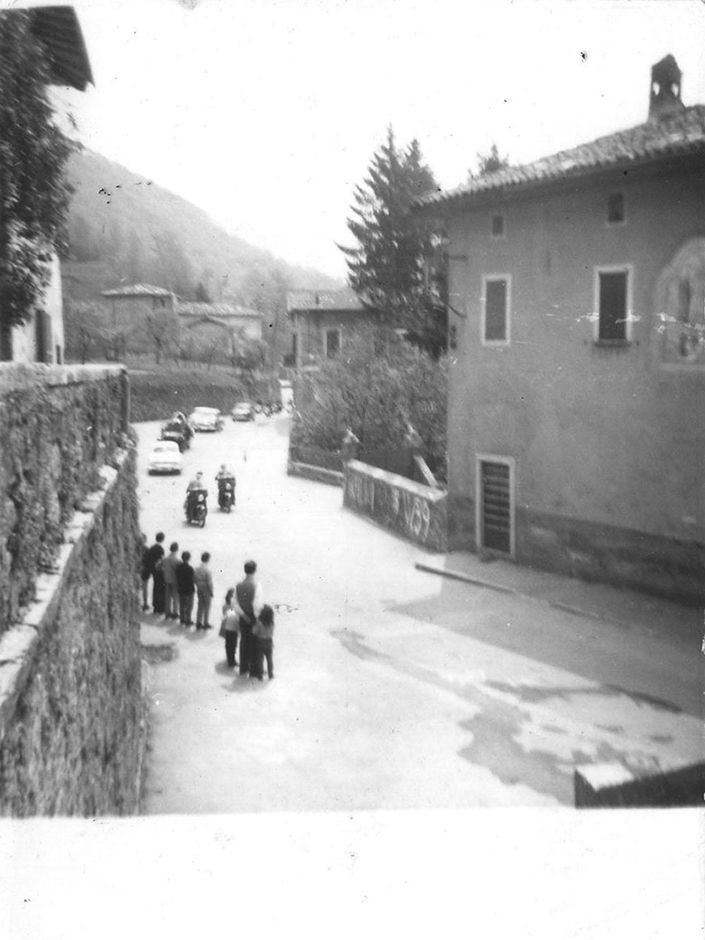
(665, 96)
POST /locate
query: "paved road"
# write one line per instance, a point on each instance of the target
(395, 689)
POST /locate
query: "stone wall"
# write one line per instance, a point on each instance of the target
(313, 472)
(598, 786)
(71, 708)
(58, 425)
(415, 511)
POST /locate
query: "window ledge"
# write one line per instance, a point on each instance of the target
(618, 343)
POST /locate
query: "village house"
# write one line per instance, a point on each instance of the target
(219, 320)
(577, 385)
(321, 319)
(128, 305)
(41, 337)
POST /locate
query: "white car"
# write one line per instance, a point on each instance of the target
(206, 419)
(165, 458)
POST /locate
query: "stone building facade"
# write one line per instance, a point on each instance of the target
(577, 384)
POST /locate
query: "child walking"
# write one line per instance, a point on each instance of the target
(263, 633)
(230, 627)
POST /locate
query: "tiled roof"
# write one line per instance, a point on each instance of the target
(220, 311)
(680, 133)
(57, 27)
(338, 300)
(138, 290)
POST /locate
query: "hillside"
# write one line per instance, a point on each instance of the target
(124, 228)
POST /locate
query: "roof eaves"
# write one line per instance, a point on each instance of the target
(526, 183)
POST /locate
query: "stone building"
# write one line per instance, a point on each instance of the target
(128, 305)
(321, 319)
(219, 319)
(577, 286)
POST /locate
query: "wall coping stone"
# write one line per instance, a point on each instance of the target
(16, 376)
(311, 472)
(432, 494)
(18, 644)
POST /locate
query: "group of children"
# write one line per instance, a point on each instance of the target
(175, 585)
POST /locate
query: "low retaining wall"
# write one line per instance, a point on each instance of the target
(616, 785)
(310, 472)
(72, 716)
(414, 511)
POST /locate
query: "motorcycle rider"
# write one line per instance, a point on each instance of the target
(223, 475)
(196, 485)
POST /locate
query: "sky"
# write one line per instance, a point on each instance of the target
(266, 114)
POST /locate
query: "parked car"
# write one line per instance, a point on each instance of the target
(165, 458)
(243, 411)
(206, 419)
(178, 432)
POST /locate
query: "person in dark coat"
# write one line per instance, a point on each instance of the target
(249, 599)
(186, 587)
(151, 568)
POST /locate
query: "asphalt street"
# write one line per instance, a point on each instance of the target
(395, 688)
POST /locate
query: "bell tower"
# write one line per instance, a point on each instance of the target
(665, 95)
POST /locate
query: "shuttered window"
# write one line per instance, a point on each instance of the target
(613, 305)
(496, 314)
(495, 506)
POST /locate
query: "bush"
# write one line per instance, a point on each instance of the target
(378, 387)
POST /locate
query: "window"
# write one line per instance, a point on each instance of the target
(495, 310)
(332, 343)
(497, 226)
(613, 322)
(495, 503)
(615, 208)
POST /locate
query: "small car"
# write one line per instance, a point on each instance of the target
(243, 411)
(165, 458)
(206, 419)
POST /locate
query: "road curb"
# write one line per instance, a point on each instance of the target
(503, 589)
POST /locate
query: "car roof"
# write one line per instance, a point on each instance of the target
(209, 410)
(166, 445)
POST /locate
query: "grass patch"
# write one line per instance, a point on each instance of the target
(157, 394)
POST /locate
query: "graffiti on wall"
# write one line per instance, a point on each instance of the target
(415, 513)
(404, 509)
(361, 491)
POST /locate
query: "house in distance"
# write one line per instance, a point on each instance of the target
(320, 321)
(577, 389)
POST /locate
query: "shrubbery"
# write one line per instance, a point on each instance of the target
(377, 387)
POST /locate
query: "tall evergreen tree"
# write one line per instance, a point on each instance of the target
(388, 266)
(489, 163)
(34, 194)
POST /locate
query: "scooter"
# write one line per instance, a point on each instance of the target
(196, 508)
(226, 493)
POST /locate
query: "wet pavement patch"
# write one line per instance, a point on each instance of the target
(494, 746)
(535, 694)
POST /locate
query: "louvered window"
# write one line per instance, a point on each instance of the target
(495, 506)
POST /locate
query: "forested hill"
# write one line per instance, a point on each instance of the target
(125, 229)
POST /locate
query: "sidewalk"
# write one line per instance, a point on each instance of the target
(603, 602)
